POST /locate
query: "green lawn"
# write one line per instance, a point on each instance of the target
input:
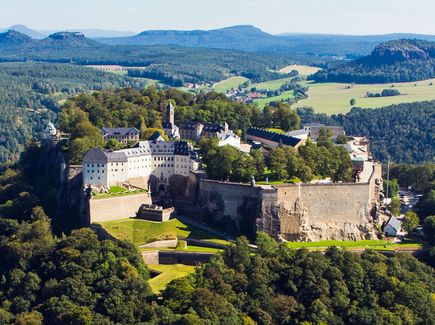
(304, 70)
(271, 85)
(116, 192)
(227, 84)
(140, 232)
(333, 98)
(167, 274)
(360, 244)
(262, 102)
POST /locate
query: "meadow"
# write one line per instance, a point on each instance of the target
(167, 273)
(140, 231)
(356, 245)
(304, 70)
(227, 84)
(333, 98)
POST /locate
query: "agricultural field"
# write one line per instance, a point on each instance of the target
(304, 70)
(262, 102)
(167, 273)
(333, 98)
(356, 245)
(140, 231)
(227, 84)
(271, 85)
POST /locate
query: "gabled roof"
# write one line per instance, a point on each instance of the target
(182, 148)
(190, 125)
(95, 155)
(394, 223)
(98, 155)
(118, 131)
(156, 136)
(274, 137)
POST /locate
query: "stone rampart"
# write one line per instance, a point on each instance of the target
(297, 212)
(116, 208)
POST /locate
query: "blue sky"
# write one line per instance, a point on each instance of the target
(274, 16)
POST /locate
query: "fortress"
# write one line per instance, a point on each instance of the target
(292, 212)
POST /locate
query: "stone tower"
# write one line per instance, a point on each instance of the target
(170, 113)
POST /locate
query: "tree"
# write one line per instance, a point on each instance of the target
(429, 229)
(278, 162)
(410, 221)
(325, 138)
(395, 206)
(352, 102)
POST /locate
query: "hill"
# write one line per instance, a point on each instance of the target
(395, 61)
(250, 38)
(13, 37)
(174, 65)
(27, 31)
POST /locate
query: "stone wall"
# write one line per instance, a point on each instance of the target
(296, 212)
(229, 206)
(116, 208)
(310, 212)
(174, 257)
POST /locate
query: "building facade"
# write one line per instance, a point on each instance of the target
(160, 159)
(122, 135)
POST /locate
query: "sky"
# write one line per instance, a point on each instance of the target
(358, 17)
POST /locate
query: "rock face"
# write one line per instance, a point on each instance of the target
(388, 53)
(67, 36)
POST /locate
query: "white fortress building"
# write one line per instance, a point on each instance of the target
(151, 159)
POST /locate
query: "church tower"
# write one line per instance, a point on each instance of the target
(170, 113)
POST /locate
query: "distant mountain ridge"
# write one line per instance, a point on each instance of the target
(90, 33)
(394, 61)
(251, 38)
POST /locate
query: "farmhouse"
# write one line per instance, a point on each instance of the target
(272, 139)
(122, 135)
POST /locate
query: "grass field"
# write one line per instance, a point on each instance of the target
(167, 274)
(140, 232)
(116, 193)
(360, 244)
(304, 70)
(272, 84)
(333, 98)
(227, 84)
(262, 102)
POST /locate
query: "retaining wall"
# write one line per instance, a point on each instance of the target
(116, 208)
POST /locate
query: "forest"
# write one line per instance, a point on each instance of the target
(174, 65)
(402, 133)
(30, 94)
(395, 61)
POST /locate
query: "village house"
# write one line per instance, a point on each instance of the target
(122, 135)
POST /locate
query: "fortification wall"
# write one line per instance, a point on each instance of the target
(324, 211)
(229, 206)
(116, 208)
(296, 212)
